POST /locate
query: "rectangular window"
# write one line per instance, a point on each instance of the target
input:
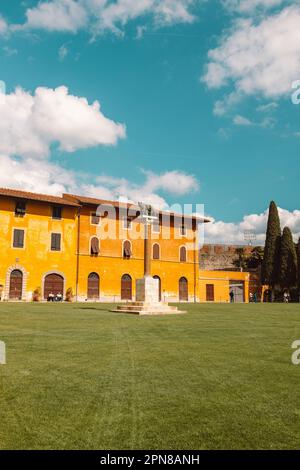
(95, 219)
(55, 241)
(18, 241)
(127, 223)
(20, 209)
(56, 212)
(183, 231)
(156, 226)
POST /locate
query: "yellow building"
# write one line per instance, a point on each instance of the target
(95, 249)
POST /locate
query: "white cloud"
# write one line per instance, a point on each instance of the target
(242, 121)
(57, 15)
(9, 51)
(101, 15)
(267, 108)
(248, 6)
(261, 58)
(3, 25)
(30, 175)
(50, 178)
(224, 232)
(63, 52)
(171, 182)
(33, 122)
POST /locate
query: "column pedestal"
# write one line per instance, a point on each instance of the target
(147, 300)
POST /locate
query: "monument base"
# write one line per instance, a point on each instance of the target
(147, 300)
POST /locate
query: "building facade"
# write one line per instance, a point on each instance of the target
(94, 249)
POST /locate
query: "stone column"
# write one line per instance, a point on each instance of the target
(147, 250)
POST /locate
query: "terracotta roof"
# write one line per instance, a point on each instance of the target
(96, 202)
(15, 193)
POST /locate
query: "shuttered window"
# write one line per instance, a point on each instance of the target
(183, 254)
(156, 250)
(156, 226)
(127, 223)
(20, 209)
(56, 212)
(18, 241)
(183, 231)
(95, 219)
(127, 253)
(95, 246)
(55, 241)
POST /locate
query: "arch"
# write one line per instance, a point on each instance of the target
(156, 251)
(53, 282)
(6, 290)
(182, 254)
(94, 246)
(16, 285)
(183, 289)
(126, 287)
(159, 287)
(126, 251)
(93, 290)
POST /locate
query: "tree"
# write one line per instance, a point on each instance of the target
(288, 261)
(240, 261)
(255, 258)
(270, 266)
(298, 267)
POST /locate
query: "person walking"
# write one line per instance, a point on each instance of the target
(231, 295)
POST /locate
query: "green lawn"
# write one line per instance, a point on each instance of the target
(80, 377)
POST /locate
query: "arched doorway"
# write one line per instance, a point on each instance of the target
(93, 292)
(16, 285)
(159, 286)
(126, 287)
(53, 283)
(183, 289)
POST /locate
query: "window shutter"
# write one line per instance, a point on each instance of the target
(56, 212)
(18, 241)
(55, 241)
(95, 246)
(127, 250)
(95, 219)
(183, 254)
(156, 251)
(20, 208)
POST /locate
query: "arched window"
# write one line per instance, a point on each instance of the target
(93, 286)
(16, 285)
(182, 254)
(126, 287)
(156, 251)
(127, 253)
(95, 246)
(183, 289)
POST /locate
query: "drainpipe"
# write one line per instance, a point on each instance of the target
(195, 270)
(77, 254)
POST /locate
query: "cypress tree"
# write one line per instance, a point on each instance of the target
(270, 265)
(288, 261)
(298, 267)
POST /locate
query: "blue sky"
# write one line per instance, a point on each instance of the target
(201, 125)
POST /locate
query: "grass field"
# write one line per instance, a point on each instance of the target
(218, 377)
